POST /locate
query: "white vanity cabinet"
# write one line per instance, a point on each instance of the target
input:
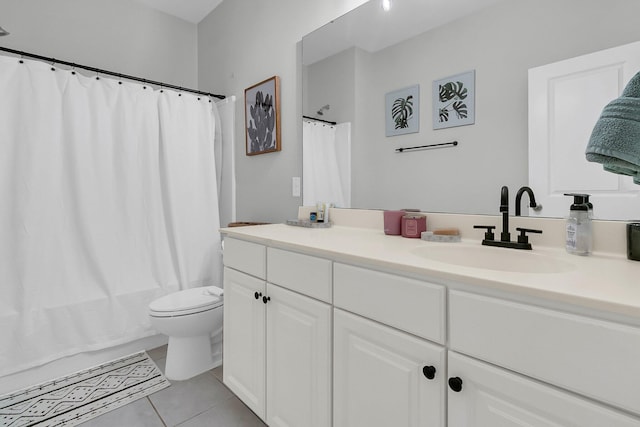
(277, 345)
(385, 376)
(536, 353)
(316, 342)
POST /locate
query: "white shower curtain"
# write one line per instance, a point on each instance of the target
(326, 165)
(108, 199)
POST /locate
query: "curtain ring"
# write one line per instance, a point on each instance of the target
(97, 76)
(144, 82)
(120, 79)
(73, 69)
(53, 64)
(161, 89)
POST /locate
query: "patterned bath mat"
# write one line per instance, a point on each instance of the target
(76, 398)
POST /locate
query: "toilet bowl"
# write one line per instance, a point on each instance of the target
(190, 318)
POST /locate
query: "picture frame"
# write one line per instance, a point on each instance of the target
(454, 100)
(262, 117)
(402, 111)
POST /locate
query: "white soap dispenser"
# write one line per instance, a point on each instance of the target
(579, 233)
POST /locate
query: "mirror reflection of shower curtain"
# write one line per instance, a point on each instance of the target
(326, 165)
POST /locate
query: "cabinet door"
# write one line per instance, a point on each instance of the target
(379, 379)
(298, 360)
(244, 339)
(491, 396)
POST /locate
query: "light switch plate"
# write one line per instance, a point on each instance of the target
(295, 186)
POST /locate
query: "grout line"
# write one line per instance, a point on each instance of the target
(225, 401)
(156, 411)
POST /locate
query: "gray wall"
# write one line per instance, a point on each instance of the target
(242, 43)
(333, 82)
(501, 44)
(118, 35)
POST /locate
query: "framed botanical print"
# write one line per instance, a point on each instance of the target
(402, 111)
(454, 100)
(262, 117)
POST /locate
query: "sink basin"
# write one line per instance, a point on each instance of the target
(490, 258)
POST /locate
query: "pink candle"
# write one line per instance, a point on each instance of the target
(413, 225)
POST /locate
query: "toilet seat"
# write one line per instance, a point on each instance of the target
(188, 301)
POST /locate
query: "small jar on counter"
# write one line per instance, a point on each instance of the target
(413, 225)
(393, 222)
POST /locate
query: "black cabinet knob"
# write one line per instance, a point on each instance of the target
(265, 299)
(429, 372)
(455, 383)
(257, 295)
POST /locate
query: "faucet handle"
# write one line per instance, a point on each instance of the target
(488, 235)
(523, 238)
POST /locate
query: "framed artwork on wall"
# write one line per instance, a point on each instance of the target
(402, 111)
(454, 100)
(262, 116)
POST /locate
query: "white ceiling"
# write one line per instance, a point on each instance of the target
(189, 10)
(370, 28)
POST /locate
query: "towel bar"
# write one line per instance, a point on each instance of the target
(419, 147)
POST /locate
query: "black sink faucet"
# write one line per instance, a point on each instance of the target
(532, 200)
(505, 236)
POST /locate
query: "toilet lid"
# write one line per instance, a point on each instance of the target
(187, 300)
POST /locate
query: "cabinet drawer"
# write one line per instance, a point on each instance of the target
(596, 358)
(245, 256)
(410, 305)
(306, 274)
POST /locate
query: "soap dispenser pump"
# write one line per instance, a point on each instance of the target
(579, 237)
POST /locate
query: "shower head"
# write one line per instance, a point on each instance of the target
(320, 111)
(4, 32)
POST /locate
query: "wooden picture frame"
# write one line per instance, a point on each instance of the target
(262, 117)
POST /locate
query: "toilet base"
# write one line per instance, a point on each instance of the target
(188, 357)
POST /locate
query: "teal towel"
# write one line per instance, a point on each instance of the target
(615, 140)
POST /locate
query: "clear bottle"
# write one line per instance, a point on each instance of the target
(589, 204)
(579, 233)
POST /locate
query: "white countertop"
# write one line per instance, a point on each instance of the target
(605, 282)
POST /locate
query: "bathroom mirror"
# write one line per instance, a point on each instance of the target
(351, 63)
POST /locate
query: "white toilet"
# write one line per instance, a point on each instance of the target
(190, 318)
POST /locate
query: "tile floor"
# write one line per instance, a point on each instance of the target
(200, 401)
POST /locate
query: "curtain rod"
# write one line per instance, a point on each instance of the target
(110, 73)
(319, 120)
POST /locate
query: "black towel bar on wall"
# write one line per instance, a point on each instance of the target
(422, 147)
